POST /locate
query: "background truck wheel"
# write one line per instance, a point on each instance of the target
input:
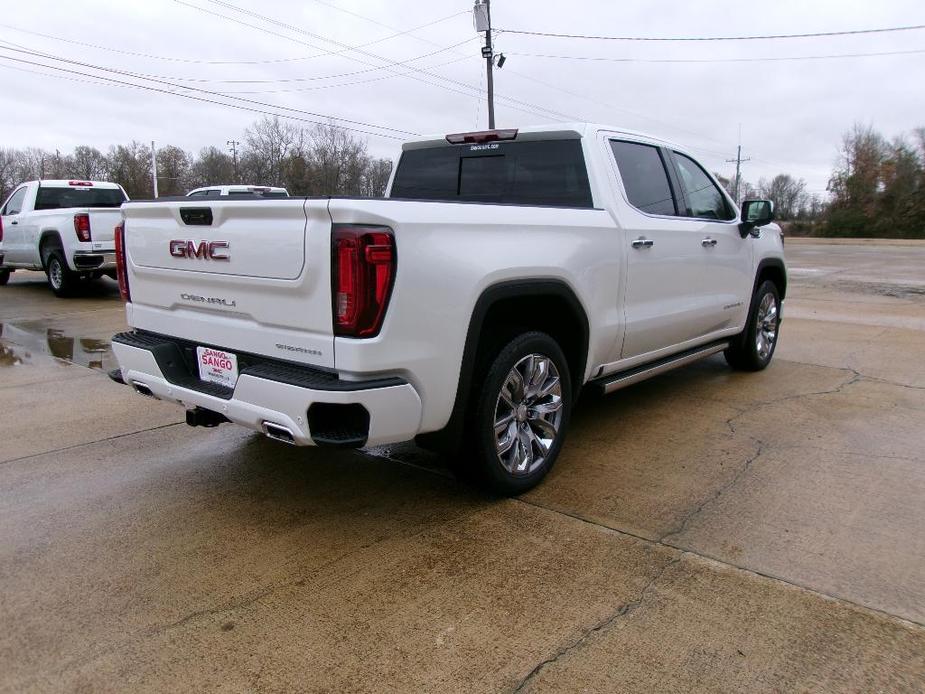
(520, 415)
(62, 280)
(753, 349)
(4, 277)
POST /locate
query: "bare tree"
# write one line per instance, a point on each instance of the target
(130, 165)
(787, 193)
(87, 163)
(32, 163)
(173, 171)
(377, 177)
(269, 144)
(212, 167)
(338, 160)
(8, 176)
(326, 160)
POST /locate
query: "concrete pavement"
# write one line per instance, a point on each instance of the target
(706, 530)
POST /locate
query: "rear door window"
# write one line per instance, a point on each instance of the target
(534, 172)
(645, 177)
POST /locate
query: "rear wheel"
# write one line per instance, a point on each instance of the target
(4, 277)
(754, 348)
(520, 415)
(62, 280)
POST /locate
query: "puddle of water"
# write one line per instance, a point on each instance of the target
(20, 342)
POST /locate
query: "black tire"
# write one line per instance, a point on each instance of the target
(62, 280)
(747, 352)
(4, 276)
(533, 418)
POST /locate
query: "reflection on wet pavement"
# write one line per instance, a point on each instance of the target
(19, 340)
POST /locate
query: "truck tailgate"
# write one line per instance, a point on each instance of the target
(102, 225)
(244, 275)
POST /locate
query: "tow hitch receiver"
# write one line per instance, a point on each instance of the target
(201, 417)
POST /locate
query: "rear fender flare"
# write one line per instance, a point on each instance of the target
(49, 238)
(449, 438)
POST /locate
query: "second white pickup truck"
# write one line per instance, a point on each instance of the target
(62, 227)
(505, 271)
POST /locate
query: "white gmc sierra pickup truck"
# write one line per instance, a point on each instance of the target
(505, 271)
(62, 227)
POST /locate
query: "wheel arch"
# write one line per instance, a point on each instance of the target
(567, 323)
(48, 237)
(772, 269)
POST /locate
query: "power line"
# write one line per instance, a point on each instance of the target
(194, 61)
(193, 97)
(716, 60)
(336, 85)
(533, 109)
(548, 85)
(286, 80)
(766, 37)
(479, 98)
(203, 91)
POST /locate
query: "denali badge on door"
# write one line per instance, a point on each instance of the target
(217, 366)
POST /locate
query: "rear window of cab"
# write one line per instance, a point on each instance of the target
(61, 198)
(535, 173)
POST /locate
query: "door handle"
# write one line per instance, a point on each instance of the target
(643, 243)
(14, 222)
(708, 242)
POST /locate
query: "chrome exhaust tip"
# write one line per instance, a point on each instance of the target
(278, 432)
(142, 389)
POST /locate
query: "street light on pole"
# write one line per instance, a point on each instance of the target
(481, 14)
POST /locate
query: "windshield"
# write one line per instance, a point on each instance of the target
(60, 198)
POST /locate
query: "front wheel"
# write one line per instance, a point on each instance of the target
(753, 349)
(521, 414)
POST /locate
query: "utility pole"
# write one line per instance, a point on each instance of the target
(738, 162)
(482, 14)
(154, 167)
(233, 146)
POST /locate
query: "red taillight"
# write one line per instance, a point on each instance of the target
(363, 269)
(121, 265)
(82, 226)
(87, 184)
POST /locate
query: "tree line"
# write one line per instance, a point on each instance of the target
(877, 189)
(323, 160)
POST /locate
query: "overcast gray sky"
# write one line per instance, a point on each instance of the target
(792, 113)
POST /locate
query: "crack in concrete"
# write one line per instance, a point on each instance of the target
(603, 625)
(861, 376)
(690, 515)
(89, 443)
(727, 562)
(229, 606)
(249, 599)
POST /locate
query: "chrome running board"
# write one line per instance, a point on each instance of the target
(612, 382)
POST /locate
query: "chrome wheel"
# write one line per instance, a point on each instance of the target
(528, 414)
(766, 334)
(55, 273)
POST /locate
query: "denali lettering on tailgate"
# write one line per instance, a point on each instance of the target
(205, 250)
(215, 300)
